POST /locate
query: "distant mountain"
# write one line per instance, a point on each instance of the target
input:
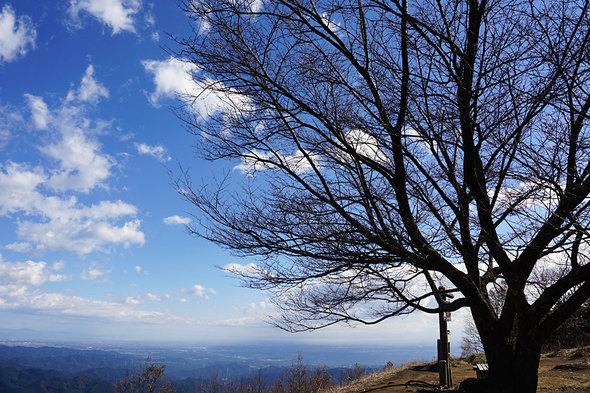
(45, 368)
(33, 380)
(66, 360)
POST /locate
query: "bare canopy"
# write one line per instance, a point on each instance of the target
(383, 148)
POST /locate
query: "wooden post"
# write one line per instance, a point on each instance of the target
(442, 373)
(444, 364)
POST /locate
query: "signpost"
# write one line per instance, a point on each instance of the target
(444, 347)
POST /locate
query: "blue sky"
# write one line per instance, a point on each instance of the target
(92, 237)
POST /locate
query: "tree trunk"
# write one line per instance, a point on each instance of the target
(514, 370)
(513, 364)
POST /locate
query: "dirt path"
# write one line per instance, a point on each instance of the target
(556, 374)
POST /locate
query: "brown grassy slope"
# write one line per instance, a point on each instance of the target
(565, 372)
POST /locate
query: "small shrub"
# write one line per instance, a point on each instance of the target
(356, 372)
(579, 353)
(476, 358)
(301, 379)
(147, 379)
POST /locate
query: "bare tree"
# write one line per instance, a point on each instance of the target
(149, 378)
(470, 343)
(384, 148)
(299, 378)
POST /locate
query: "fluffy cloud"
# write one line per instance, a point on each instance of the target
(141, 299)
(250, 269)
(64, 224)
(27, 273)
(19, 247)
(133, 300)
(10, 120)
(154, 298)
(158, 151)
(93, 272)
(256, 161)
(19, 290)
(332, 25)
(90, 90)
(67, 305)
(118, 14)
(82, 165)
(176, 220)
(39, 111)
(171, 77)
(364, 144)
(176, 78)
(75, 164)
(256, 308)
(83, 237)
(238, 322)
(18, 185)
(17, 35)
(200, 291)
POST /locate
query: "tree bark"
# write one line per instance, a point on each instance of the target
(513, 364)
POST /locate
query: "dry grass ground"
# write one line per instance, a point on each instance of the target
(564, 372)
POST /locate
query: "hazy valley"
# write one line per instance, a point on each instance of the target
(35, 366)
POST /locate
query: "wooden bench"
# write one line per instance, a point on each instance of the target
(481, 370)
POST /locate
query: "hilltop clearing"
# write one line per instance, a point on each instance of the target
(565, 372)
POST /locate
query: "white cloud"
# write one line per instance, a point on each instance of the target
(150, 19)
(137, 268)
(82, 167)
(250, 269)
(66, 305)
(176, 78)
(19, 247)
(158, 152)
(201, 291)
(57, 266)
(171, 77)
(17, 278)
(82, 164)
(238, 322)
(364, 144)
(18, 185)
(256, 5)
(39, 111)
(118, 14)
(154, 298)
(64, 224)
(140, 299)
(75, 163)
(82, 236)
(334, 26)
(90, 90)
(93, 272)
(255, 161)
(27, 273)
(133, 300)
(256, 308)
(17, 35)
(176, 220)
(10, 120)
